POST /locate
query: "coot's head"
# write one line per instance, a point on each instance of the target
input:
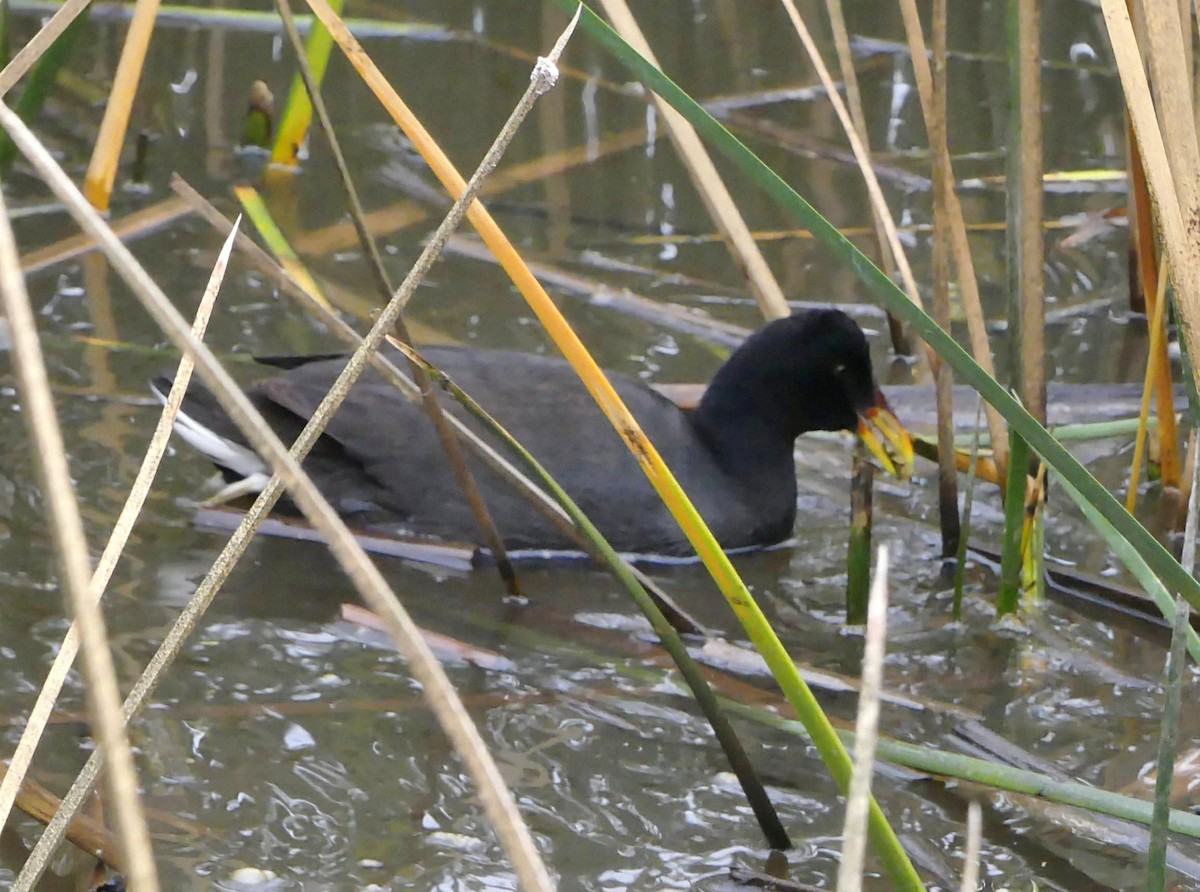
(810, 372)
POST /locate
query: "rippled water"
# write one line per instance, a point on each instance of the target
(285, 740)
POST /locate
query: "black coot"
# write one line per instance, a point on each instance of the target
(380, 464)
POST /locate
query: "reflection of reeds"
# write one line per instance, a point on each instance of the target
(708, 182)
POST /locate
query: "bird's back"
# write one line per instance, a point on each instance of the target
(543, 404)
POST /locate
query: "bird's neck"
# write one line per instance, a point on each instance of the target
(744, 432)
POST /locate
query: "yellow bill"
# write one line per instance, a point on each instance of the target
(886, 439)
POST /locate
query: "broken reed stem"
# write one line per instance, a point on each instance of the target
(713, 192)
(26, 57)
(84, 832)
(496, 799)
(63, 660)
(968, 285)
(878, 203)
(70, 546)
(102, 169)
(429, 399)
(940, 251)
(866, 733)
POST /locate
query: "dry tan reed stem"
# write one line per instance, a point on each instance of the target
(970, 877)
(70, 545)
(496, 799)
(878, 203)
(972, 306)
(866, 732)
(85, 833)
(1027, 292)
(951, 527)
(28, 55)
(1173, 204)
(1172, 92)
(1172, 82)
(102, 170)
(65, 657)
(720, 204)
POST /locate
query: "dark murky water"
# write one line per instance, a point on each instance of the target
(289, 745)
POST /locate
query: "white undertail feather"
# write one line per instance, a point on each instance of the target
(221, 450)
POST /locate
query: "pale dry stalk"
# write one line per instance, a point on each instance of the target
(968, 285)
(27, 56)
(70, 545)
(866, 732)
(65, 658)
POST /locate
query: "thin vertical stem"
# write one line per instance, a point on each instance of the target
(1024, 206)
(1014, 524)
(1156, 857)
(968, 284)
(960, 563)
(970, 877)
(858, 554)
(866, 732)
(940, 249)
(1158, 345)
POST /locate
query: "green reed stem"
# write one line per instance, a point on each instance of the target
(764, 811)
